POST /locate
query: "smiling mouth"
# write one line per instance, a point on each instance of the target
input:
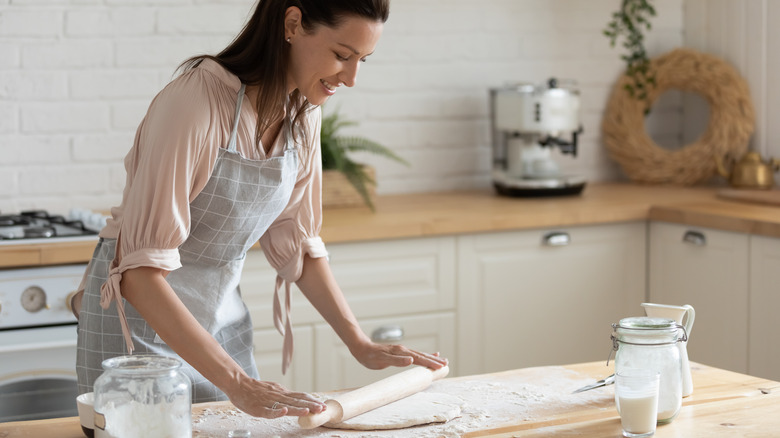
(328, 86)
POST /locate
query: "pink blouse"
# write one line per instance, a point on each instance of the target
(172, 158)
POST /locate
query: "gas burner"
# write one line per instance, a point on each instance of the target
(40, 225)
(38, 232)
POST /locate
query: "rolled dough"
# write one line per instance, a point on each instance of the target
(417, 409)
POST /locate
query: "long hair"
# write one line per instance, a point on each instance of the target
(259, 55)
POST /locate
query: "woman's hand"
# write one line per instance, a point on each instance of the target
(75, 303)
(378, 356)
(271, 400)
(320, 288)
(146, 290)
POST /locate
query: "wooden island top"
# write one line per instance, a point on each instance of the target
(479, 211)
(723, 403)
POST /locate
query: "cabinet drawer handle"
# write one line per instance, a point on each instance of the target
(556, 238)
(695, 238)
(388, 333)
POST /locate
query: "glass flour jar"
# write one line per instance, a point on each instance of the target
(142, 396)
(651, 343)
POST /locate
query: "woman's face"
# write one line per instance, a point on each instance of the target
(326, 58)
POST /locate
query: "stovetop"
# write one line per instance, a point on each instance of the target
(35, 226)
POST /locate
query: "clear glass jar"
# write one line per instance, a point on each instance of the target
(651, 343)
(142, 396)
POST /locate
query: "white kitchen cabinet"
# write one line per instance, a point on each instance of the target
(378, 278)
(402, 281)
(336, 368)
(707, 269)
(546, 297)
(268, 356)
(764, 359)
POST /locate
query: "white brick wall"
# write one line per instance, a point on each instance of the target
(76, 77)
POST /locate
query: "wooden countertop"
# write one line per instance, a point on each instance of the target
(723, 403)
(432, 214)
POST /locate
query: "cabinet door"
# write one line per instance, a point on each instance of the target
(268, 355)
(377, 278)
(764, 306)
(533, 298)
(707, 269)
(337, 368)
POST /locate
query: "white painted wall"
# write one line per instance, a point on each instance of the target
(745, 33)
(76, 77)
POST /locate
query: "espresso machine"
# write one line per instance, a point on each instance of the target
(528, 122)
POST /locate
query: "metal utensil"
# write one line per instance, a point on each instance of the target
(603, 382)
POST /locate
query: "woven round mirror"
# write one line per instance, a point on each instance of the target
(731, 122)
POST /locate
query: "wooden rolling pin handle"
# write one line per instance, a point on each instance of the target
(347, 405)
(333, 412)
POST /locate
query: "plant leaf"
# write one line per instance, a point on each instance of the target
(358, 144)
(335, 151)
(357, 176)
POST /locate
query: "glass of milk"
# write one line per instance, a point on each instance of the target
(636, 398)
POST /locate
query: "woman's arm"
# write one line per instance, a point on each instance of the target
(320, 288)
(146, 289)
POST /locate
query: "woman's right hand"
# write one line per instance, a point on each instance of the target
(272, 400)
(147, 290)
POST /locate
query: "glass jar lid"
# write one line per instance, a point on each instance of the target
(141, 364)
(648, 330)
(646, 323)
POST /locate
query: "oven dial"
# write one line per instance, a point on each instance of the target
(34, 299)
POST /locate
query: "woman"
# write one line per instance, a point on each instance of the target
(228, 153)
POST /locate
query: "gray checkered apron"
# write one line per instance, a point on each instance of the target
(239, 202)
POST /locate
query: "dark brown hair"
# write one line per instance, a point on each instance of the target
(259, 54)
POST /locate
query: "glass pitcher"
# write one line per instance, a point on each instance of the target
(651, 343)
(678, 313)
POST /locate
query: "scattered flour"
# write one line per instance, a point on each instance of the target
(489, 402)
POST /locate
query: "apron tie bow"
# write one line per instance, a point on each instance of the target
(109, 291)
(284, 325)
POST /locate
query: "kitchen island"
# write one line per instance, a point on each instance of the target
(525, 402)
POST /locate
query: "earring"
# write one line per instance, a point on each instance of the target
(288, 39)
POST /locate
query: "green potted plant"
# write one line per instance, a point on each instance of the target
(344, 179)
(630, 21)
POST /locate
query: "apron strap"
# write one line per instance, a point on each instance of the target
(289, 139)
(239, 101)
(284, 327)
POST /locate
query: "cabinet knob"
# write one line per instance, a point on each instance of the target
(556, 238)
(388, 333)
(695, 238)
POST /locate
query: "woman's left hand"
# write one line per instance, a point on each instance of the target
(379, 356)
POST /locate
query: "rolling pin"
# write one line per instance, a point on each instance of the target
(353, 403)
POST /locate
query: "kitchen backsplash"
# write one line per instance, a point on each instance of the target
(76, 77)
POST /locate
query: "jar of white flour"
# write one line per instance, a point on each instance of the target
(651, 343)
(142, 396)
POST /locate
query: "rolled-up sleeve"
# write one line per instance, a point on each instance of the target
(295, 232)
(169, 164)
(171, 161)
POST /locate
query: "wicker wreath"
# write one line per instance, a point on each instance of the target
(731, 122)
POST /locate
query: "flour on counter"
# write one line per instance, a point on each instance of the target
(489, 402)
